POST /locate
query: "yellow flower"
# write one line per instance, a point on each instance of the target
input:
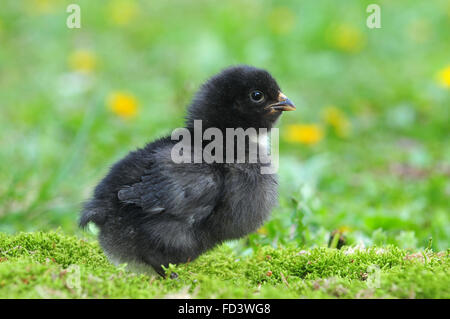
(444, 77)
(347, 38)
(337, 119)
(42, 6)
(262, 230)
(123, 11)
(344, 229)
(83, 61)
(122, 104)
(281, 20)
(309, 134)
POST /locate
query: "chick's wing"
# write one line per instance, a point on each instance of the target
(170, 188)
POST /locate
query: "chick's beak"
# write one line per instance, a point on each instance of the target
(283, 104)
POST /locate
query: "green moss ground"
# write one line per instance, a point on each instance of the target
(54, 265)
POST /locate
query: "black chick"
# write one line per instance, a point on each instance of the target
(152, 211)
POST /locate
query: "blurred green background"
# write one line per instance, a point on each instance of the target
(366, 153)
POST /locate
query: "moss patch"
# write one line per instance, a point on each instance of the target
(53, 265)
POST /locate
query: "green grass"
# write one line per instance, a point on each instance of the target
(385, 183)
(53, 265)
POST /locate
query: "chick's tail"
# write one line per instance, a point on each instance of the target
(94, 211)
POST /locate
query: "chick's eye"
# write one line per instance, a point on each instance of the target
(256, 96)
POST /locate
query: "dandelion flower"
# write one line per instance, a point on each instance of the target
(122, 12)
(308, 134)
(334, 117)
(262, 230)
(444, 77)
(42, 6)
(348, 38)
(122, 104)
(83, 61)
(281, 20)
(344, 229)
